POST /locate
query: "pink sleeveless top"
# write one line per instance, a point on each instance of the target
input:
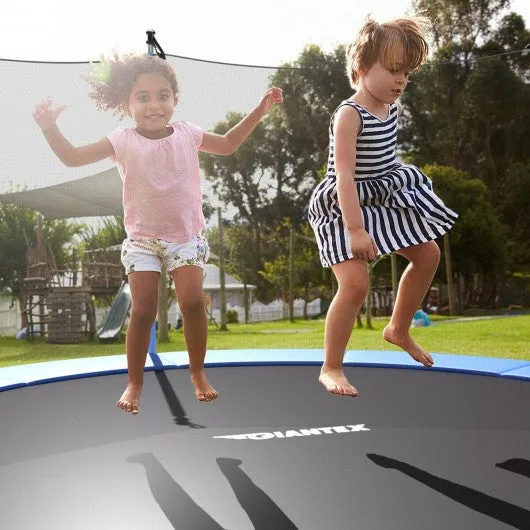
(162, 195)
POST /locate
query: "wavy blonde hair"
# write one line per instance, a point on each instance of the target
(380, 42)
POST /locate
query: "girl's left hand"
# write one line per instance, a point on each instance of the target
(273, 96)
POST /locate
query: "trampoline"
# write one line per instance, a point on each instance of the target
(447, 447)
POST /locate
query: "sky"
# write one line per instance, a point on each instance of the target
(235, 31)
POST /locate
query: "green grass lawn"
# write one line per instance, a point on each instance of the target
(503, 337)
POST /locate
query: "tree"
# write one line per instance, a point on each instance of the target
(471, 111)
(478, 239)
(273, 173)
(110, 233)
(463, 93)
(17, 231)
(241, 179)
(315, 83)
(492, 122)
(515, 201)
(474, 121)
(509, 38)
(239, 253)
(462, 22)
(307, 269)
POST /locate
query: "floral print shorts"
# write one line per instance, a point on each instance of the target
(148, 254)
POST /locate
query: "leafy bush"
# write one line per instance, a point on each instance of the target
(232, 316)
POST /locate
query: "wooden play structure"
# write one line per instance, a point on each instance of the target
(59, 303)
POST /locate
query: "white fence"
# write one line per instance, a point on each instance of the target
(10, 321)
(276, 310)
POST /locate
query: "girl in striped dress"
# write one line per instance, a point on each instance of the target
(369, 203)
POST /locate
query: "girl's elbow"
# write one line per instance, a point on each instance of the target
(69, 162)
(229, 144)
(227, 150)
(76, 162)
(69, 159)
(230, 148)
(78, 159)
(66, 162)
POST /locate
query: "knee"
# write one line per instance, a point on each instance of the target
(191, 304)
(431, 255)
(354, 291)
(143, 315)
(361, 291)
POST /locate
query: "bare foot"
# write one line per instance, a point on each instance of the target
(405, 341)
(203, 390)
(130, 399)
(335, 382)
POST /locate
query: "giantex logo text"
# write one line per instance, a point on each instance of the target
(314, 431)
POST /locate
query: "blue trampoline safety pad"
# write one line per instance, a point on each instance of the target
(38, 373)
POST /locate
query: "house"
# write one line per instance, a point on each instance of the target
(234, 289)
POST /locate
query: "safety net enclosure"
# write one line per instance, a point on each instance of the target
(208, 91)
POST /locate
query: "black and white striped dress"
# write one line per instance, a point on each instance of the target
(398, 205)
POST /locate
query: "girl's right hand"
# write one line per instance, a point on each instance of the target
(45, 115)
(362, 245)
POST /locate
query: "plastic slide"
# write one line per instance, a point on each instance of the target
(110, 330)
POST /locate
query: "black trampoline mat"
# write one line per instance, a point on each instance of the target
(416, 450)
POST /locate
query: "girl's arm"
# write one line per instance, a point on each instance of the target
(346, 128)
(228, 143)
(70, 156)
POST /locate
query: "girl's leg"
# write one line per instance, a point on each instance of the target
(352, 278)
(413, 286)
(188, 288)
(144, 299)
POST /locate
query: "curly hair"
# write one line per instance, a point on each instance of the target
(380, 41)
(112, 79)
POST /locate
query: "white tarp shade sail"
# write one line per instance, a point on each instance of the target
(93, 196)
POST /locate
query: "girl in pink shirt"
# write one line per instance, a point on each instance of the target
(162, 200)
